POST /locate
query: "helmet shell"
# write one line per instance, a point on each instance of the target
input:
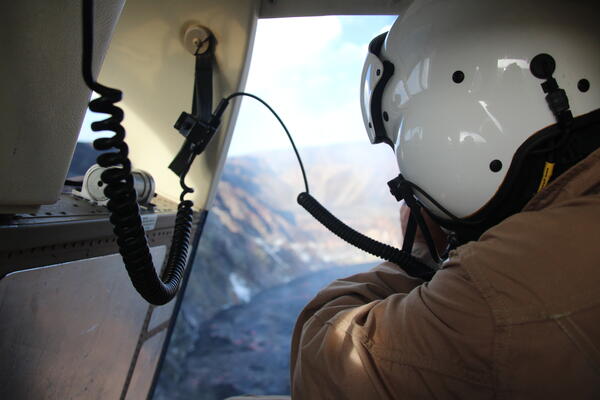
(462, 98)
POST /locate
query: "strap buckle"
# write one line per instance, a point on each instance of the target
(199, 126)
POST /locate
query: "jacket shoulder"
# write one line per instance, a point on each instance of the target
(539, 263)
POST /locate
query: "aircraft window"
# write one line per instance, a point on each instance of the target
(262, 257)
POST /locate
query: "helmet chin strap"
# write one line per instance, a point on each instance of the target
(402, 189)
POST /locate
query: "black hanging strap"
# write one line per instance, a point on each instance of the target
(402, 189)
(198, 127)
(203, 88)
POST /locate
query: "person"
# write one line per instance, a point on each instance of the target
(492, 110)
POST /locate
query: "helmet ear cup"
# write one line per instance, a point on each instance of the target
(375, 76)
(378, 115)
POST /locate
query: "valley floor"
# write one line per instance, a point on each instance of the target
(245, 348)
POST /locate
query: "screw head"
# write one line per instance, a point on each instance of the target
(458, 76)
(194, 36)
(583, 85)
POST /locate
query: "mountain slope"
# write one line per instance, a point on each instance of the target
(257, 237)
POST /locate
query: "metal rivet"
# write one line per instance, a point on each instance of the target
(458, 76)
(583, 85)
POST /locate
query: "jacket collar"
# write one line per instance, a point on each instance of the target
(581, 179)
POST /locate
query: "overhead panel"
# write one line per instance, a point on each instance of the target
(307, 8)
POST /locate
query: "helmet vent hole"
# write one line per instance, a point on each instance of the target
(386, 117)
(378, 72)
(496, 165)
(583, 85)
(370, 125)
(458, 76)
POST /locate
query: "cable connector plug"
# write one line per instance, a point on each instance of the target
(198, 135)
(543, 66)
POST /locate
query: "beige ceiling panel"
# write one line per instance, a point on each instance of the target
(147, 60)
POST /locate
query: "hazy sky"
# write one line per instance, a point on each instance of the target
(308, 70)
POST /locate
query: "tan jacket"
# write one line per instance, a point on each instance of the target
(515, 315)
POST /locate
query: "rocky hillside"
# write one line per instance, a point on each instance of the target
(257, 237)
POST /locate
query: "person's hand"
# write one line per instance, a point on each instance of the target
(440, 238)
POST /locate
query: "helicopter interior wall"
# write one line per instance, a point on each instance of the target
(72, 324)
(43, 96)
(309, 8)
(48, 353)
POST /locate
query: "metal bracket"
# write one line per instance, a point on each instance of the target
(195, 39)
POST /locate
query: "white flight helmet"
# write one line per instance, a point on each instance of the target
(451, 90)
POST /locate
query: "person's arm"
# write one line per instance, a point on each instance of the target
(382, 334)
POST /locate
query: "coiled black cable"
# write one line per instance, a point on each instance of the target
(407, 261)
(125, 214)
